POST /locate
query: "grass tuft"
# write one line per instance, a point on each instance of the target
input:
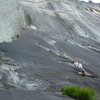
(29, 19)
(84, 44)
(72, 26)
(80, 93)
(62, 54)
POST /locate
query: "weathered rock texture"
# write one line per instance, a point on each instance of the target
(11, 20)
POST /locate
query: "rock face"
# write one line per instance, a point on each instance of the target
(68, 17)
(60, 30)
(11, 20)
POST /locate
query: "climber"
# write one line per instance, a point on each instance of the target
(79, 69)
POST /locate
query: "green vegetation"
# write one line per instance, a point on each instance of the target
(72, 26)
(84, 44)
(62, 54)
(65, 39)
(80, 93)
(29, 19)
(45, 48)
